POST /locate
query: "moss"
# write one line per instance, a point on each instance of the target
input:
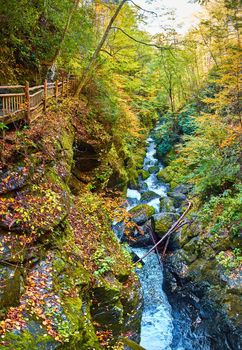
(147, 209)
(33, 338)
(142, 213)
(166, 174)
(163, 223)
(144, 174)
(83, 333)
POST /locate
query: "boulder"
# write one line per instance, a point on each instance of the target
(144, 174)
(167, 204)
(142, 237)
(165, 174)
(163, 222)
(153, 169)
(178, 198)
(141, 213)
(146, 197)
(183, 188)
(14, 179)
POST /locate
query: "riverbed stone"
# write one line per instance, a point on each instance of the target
(153, 169)
(148, 196)
(141, 213)
(183, 188)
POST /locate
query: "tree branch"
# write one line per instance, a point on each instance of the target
(140, 8)
(142, 42)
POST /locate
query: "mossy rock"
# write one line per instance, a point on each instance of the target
(148, 196)
(10, 280)
(142, 213)
(144, 174)
(11, 248)
(178, 197)
(166, 175)
(167, 204)
(163, 222)
(14, 179)
(153, 169)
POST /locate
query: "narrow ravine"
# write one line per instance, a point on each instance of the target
(158, 327)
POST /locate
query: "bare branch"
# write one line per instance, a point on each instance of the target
(142, 42)
(140, 8)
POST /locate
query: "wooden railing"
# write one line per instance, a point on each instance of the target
(24, 102)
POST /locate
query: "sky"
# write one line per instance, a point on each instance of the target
(184, 13)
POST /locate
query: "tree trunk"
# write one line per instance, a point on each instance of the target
(91, 64)
(58, 51)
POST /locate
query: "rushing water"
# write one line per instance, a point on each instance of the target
(157, 323)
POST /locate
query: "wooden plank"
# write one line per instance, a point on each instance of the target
(9, 95)
(11, 86)
(45, 96)
(36, 87)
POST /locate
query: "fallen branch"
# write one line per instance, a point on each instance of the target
(184, 222)
(174, 228)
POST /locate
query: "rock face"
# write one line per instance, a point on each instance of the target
(66, 282)
(204, 295)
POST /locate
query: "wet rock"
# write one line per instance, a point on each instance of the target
(183, 188)
(132, 301)
(146, 197)
(107, 309)
(202, 302)
(141, 213)
(178, 198)
(144, 187)
(141, 237)
(14, 179)
(153, 169)
(10, 282)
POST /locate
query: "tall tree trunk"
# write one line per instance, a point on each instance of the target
(91, 64)
(68, 22)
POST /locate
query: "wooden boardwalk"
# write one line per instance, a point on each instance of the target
(23, 102)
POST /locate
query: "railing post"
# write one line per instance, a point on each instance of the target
(27, 102)
(62, 87)
(56, 88)
(45, 96)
